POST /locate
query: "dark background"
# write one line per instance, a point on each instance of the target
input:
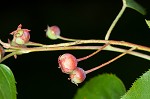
(37, 74)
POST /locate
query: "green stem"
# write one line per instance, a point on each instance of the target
(137, 54)
(115, 49)
(111, 42)
(68, 46)
(110, 48)
(33, 44)
(67, 39)
(115, 22)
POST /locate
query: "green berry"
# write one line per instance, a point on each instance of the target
(53, 32)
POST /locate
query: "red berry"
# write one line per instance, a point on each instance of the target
(77, 76)
(20, 36)
(67, 63)
(53, 32)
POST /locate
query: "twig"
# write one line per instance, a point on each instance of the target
(68, 46)
(111, 42)
(86, 57)
(108, 62)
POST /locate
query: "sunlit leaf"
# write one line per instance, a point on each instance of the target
(134, 5)
(140, 88)
(7, 83)
(105, 86)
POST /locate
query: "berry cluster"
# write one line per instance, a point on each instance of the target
(68, 64)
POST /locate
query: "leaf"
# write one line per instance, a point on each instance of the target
(134, 5)
(7, 83)
(140, 88)
(148, 22)
(105, 86)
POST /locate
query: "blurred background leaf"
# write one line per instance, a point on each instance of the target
(136, 6)
(7, 83)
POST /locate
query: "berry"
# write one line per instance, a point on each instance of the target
(53, 32)
(67, 63)
(77, 76)
(20, 36)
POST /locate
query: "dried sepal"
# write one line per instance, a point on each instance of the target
(2, 52)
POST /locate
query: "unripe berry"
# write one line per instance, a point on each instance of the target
(53, 32)
(2, 52)
(67, 63)
(77, 76)
(20, 36)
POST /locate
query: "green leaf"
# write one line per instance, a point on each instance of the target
(7, 83)
(140, 88)
(148, 22)
(134, 5)
(105, 86)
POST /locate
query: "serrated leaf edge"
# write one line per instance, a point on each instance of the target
(134, 83)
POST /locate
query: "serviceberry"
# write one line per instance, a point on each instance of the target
(53, 32)
(77, 76)
(67, 63)
(20, 36)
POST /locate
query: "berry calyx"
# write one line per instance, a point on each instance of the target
(20, 36)
(67, 63)
(77, 76)
(53, 32)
